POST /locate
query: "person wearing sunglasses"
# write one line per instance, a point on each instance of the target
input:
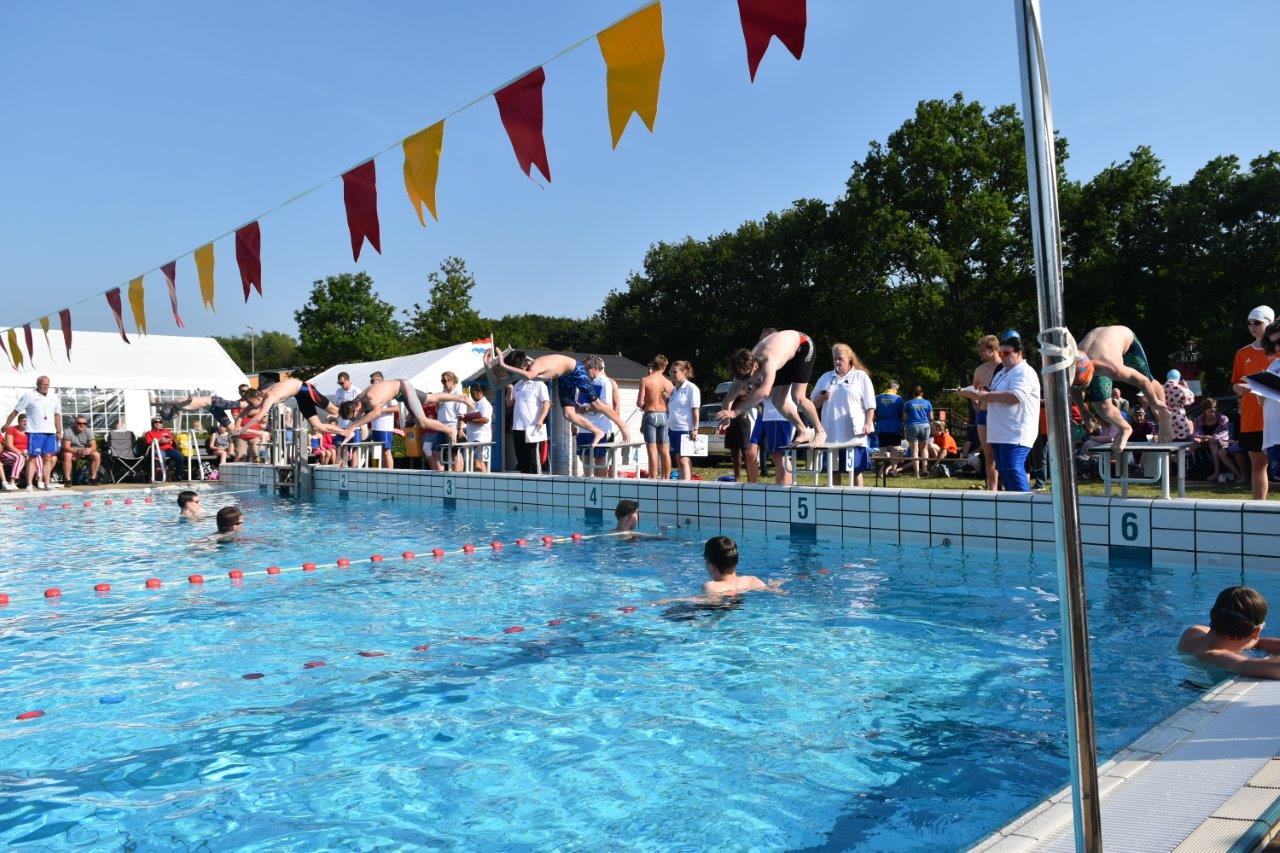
(1013, 413)
(79, 443)
(1253, 358)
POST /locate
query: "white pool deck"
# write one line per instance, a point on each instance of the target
(1207, 778)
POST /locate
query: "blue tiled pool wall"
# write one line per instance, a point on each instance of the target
(1190, 533)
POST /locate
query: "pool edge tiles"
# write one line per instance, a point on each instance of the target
(1176, 533)
(1221, 795)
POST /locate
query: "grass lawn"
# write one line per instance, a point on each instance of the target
(718, 466)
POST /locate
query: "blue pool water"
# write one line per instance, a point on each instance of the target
(907, 698)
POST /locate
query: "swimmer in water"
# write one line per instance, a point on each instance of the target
(628, 514)
(189, 508)
(721, 557)
(230, 523)
(1235, 626)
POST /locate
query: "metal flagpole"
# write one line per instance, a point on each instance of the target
(1042, 186)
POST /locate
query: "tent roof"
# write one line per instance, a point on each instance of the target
(102, 360)
(422, 369)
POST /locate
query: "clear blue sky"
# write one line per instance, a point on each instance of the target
(135, 132)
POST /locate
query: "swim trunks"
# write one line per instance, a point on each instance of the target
(800, 366)
(570, 384)
(653, 426)
(308, 399)
(220, 407)
(383, 436)
(1135, 357)
(770, 436)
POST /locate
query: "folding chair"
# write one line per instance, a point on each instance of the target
(126, 464)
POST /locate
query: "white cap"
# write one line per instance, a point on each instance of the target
(1263, 313)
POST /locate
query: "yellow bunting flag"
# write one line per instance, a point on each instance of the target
(44, 327)
(204, 269)
(422, 168)
(138, 304)
(14, 353)
(633, 54)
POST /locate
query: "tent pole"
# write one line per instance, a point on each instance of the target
(1042, 186)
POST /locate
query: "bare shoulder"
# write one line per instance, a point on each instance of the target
(1192, 639)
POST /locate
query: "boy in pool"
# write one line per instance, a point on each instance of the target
(189, 506)
(230, 522)
(1235, 625)
(721, 556)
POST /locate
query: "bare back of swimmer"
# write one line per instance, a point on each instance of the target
(1113, 354)
(778, 368)
(379, 396)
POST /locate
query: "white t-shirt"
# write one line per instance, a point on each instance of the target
(342, 395)
(685, 400)
(529, 397)
(40, 410)
(1015, 423)
(482, 432)
(1271, 414)
(604, 390)
(771, 412)
(845, 412)
(448, 412)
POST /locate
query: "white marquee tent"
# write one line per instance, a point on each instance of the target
(113, 381)
(422, 369)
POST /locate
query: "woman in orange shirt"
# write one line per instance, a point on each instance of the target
(1253, 358)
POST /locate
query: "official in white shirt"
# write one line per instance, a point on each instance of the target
(1013, 413)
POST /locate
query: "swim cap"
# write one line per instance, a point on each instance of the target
(1173, 376)
(1084, 370)
(1009, 333)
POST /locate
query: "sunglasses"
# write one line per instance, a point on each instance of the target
(1005, 352)
(1256, 323)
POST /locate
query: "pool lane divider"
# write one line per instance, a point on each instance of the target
(238, 575)
(626, 610)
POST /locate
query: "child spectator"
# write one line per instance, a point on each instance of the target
(14, 455)
(219, 445)
(942, 445)
(1235, 626)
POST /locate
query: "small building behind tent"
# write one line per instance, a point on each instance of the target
(114, 383)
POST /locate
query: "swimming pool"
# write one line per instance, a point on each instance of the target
(898, 696)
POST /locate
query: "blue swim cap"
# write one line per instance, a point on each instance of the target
(1009, 333)
(1173, 376)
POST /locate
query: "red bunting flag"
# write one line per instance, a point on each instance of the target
(763, 19)
(64, 318)
(170, 273)
(360, 194)
(113, 299)
(26, 334)
(249, 257)
(520, 108)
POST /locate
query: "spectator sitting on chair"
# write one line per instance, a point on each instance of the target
(44, 427)
(219, 445)
(79, 443)
(14, 455)
(1213, 433)
(189, 508)
(163, 438)
(1144, 428)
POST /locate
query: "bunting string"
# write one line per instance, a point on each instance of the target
(634, 53)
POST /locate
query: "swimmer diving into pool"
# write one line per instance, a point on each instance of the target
(1113, 353)
(380, 397)
(309, 399)
(777, 369)
(571, 380)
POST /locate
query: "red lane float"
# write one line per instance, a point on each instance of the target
(52, 592)
(153, 583)
(42, 507)
(252, 676)
(554, 622)
(372, 654)
(107, 502)
(308, 567)
(148, 499)
(408, 555)
(421, 648)
(128, 501)
(547, 540)
(437, 552)
(375, 558)
(514, 629)
(273, 570)
(522, 542)
(195, 578)
(4, 598)
(824, 571)
(627, 609)
(495, 545)
(88, 503)
(313, 664)
(468, 548)
(102, 587)
(343, 562)
(577, 537)
(236, 575)
(29, 715)
(66, 506)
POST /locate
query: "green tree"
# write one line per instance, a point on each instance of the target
(346, 321)
(266, 350)
(448, 317)
(540, 331)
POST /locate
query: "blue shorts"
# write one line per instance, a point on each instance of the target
(676, 438)
(574, 382)
(772, 435)
(653, 427)
(382, 436)
(851, 460)
(982, 417)
(42, 444)
(584, 442)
